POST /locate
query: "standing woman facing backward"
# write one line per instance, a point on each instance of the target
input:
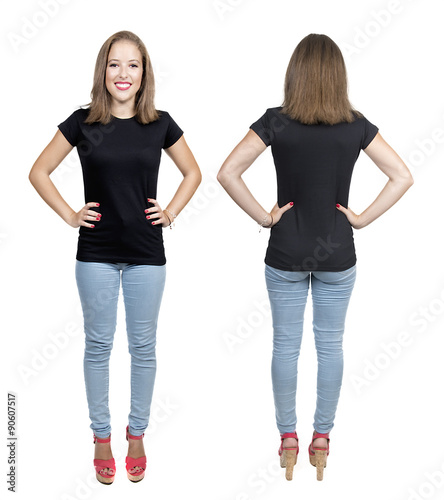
(315, 139)
(119, 140)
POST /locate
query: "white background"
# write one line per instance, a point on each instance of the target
(212, 434)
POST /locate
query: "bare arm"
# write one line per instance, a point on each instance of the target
(183, 158)
(400, 180)
(46, 163)
(230, 176)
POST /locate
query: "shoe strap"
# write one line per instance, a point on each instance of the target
(287, 435)
(102, 440)
(100, 464)
(128, 435)
(317, 435)
(135, 462)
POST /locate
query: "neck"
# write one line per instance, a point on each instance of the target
(123, 110)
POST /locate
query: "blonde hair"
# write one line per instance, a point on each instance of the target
(315, 89)
(100, 106)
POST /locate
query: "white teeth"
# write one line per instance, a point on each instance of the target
(123, 85)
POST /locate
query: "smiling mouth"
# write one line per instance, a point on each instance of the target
(123, 85)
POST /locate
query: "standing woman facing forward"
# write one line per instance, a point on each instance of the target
(315, 138)
(119, 139)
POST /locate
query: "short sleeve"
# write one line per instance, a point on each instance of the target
(369, 133)
(70, 128)
(173, 133)
(262, 128)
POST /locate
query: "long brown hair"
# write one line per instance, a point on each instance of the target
(315, 89)
(100, 106)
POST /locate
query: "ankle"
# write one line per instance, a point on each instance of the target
(320, 443)
(290, 443)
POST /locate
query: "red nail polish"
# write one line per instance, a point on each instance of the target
(97, 218)
(92, 225)
(98, 205)
(291, 203)
(337, 205)
(147, 216)
(152, 222)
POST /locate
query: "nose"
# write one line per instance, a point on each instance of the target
(123, 71)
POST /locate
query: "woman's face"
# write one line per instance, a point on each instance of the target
(124, 72)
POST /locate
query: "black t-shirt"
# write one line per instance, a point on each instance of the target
(120, 164)
(314, 165)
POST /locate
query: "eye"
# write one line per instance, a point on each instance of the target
(134, 66)
(113, 65)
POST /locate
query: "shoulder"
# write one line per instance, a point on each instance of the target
(365, 128)
(164, 120)
(80, 114)
(77, 117)
(170, 129)
(276, 119)
(73, 127)
(360, 119)
(276, 111)
(164, 116)
(272, 116)
(366, 125)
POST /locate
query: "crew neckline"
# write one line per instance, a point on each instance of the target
(117, 118)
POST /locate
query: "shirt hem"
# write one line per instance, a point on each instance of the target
(304, 269)
(122, 260)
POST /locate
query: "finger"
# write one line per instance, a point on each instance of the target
(341, 208)
(86, 224)
(93, 217)
(153, 201)
(153, 216)
(93, 214)
(158, 221)
(92, 204)
(351, 216)
(287, 206)
(152, 209)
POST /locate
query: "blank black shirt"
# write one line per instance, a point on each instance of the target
(120, 165)
(314, 165)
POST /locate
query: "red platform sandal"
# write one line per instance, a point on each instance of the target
(135, 467)
(105, 469)
(288, 455)
(318, 456)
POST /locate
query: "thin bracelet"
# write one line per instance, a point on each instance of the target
(174, 216)
(263, 222)
(169, 220)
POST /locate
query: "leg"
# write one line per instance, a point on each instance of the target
(331, 293)
(98, 285)
(142, 290)
(287, 291)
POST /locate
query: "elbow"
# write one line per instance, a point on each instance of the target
(194, 178)
(197, 178)
(222, 177)
(34, 174)
(31, 177)
(408, 181)
(403, 178)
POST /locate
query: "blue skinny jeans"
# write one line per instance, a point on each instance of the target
(288, 291)
(99, 285)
